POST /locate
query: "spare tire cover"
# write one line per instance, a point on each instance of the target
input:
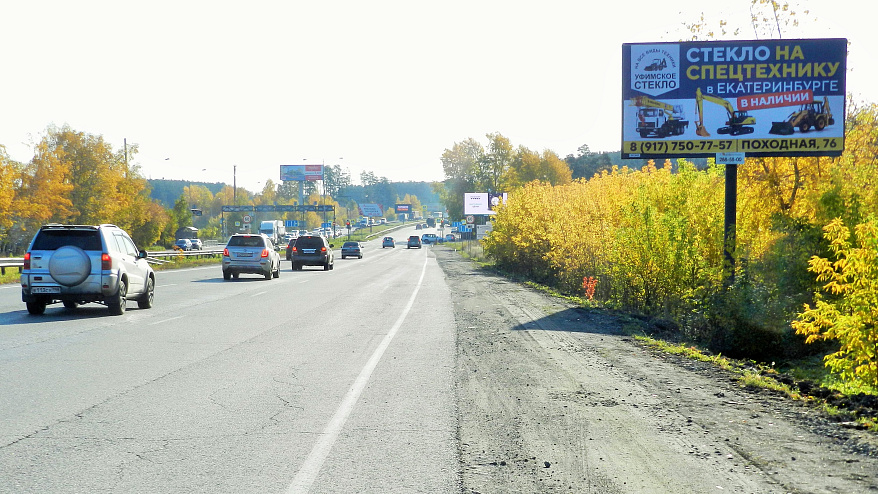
(69, 265)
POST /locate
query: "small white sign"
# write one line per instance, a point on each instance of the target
(730, 158)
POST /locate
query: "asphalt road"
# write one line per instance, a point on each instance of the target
(407, 371)
(338, 381)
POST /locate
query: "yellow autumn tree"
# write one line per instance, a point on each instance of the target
(845, 311)
(10, 182)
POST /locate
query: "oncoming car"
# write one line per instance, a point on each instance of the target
(183, 244)
(77, 264)
(253, 254)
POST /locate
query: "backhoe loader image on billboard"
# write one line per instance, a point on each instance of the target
(815, 114)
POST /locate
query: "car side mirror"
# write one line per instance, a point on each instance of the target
(331, 245)
(142, 254)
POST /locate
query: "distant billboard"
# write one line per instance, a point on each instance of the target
(301, 173)
(760, 98)
(482, 202)
(370, 210)
(403, 208)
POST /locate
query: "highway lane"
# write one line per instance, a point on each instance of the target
(338, 381)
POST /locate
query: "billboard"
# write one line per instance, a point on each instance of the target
(370, 210)
(482, 202)
(403, 208)
(300, 173)
(760, 98)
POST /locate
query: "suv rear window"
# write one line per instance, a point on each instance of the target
(246, 241)
(309, 242)
(55, 239)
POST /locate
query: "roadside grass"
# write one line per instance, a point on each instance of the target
(178, 262)
(12, 276)
(754, 375)
(472, 250)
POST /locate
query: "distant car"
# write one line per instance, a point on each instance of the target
(449, 238)
(250, 253)
(183, 244)
(429, 238)
(414, 242)
(388, 242)
(78, 264)
(418, 226)
(312, 250)
(197, 244)
(352, 249)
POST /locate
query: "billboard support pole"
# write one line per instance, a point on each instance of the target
(729, 226)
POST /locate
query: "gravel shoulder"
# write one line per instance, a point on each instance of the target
(554, 398)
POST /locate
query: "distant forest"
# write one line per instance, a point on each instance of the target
(168, 191)
(588, 163)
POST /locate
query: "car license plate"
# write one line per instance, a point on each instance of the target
(46, 289)
(309, 251)
(245, 254)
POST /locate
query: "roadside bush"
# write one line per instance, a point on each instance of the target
(845, 310)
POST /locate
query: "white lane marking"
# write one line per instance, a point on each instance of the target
(166, 284)
(308, 472)
(165, 320)
(258, 294)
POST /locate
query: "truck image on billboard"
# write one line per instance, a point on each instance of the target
(761, 98)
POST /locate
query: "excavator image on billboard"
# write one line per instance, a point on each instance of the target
(816, 114)
(739, 122)
(658, 119)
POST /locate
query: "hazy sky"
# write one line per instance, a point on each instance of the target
(384, 86)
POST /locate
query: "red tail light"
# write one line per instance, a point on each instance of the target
(106, 263)
(226, 252)
(27, 260)
(295, 249)
(323, 249)
(264, 252)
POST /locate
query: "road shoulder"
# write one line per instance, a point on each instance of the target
(555, 398)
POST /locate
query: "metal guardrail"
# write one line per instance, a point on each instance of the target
(153, 258)
(11, 263)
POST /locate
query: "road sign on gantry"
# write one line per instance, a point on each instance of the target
(760, 98)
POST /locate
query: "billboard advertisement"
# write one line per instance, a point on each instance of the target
(482, 202)
(300, 173)
(760, 98)
(370, 210)
(403, 208)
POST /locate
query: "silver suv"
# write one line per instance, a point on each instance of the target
(250, 253)
(77, 264)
